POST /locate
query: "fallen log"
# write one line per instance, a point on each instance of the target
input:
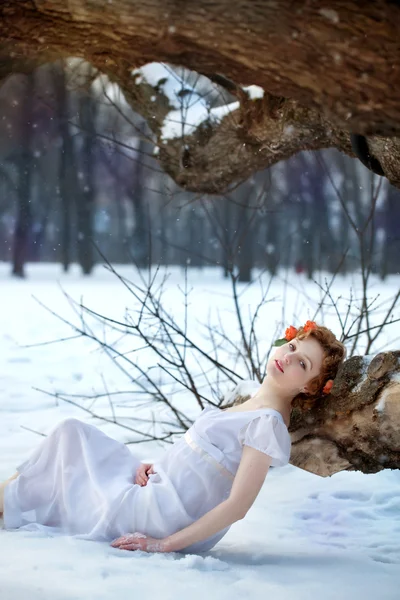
(354, 428)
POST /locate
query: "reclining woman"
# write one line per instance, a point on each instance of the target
(82, 483)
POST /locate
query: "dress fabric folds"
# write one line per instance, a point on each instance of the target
(79, 481)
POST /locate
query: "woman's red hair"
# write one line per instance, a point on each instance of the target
(334, 355)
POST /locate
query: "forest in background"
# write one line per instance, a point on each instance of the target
(78, 172)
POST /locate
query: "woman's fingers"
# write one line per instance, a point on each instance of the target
(124, 540)
(129, 547)
(141, 481)
(141, 476)
(131, 541)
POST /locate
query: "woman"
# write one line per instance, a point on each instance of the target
(80, 482)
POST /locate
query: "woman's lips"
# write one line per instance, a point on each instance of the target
(278, 364)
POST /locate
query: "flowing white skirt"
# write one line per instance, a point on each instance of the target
(79, 482)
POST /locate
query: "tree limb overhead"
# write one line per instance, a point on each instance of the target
(328, 69)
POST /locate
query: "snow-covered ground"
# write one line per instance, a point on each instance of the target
(305, 537)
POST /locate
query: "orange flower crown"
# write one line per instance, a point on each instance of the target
(290, 334)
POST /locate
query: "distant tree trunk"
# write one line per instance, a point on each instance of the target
(67, 164)
(345, 191)
(245, 258)
(117, 250)
(272, 239)
(39, 227)
(300, 184)
(391, 246)
(86, 199)
(195, 230)
(25, 169)
(298, 246)
(121, 254)
(325, 244)
(245, 229)
(227, 250)
(307, 239)
(163, 220)
(309, 191)
(137, 195)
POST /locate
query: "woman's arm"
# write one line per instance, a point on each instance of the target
(248, 481)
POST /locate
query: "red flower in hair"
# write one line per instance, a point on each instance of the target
(310, 325)
(290, 333)
(328, 387)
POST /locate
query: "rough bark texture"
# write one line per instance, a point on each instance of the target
(356, 427)
(335, 62)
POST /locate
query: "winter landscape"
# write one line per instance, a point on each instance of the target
(305, 536)
(186, 188)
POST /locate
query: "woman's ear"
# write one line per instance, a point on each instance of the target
(304, 390)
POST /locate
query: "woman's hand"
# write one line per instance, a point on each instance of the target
(142, 474)
(138, 541)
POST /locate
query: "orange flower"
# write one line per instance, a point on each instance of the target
(328, 387)
(310, 325)
(290, 333)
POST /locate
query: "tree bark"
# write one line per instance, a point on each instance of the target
(356, 427)
(326, 71)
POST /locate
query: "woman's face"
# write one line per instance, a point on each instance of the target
(296, 363)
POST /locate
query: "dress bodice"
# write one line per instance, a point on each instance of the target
(223, 433)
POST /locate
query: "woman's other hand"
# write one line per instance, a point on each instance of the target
(138, 541)
(142, 474)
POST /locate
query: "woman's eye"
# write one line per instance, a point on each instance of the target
(303, 364)
(291, 347)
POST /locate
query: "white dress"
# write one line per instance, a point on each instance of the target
(79, 481)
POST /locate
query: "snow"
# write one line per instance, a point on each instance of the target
(330, 14)
(254, 91)
(188, 108)
(244, 388)
(305, 537)
(180, 123)
(169, 82)
(380, 406)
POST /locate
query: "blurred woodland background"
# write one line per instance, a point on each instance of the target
(78, 171)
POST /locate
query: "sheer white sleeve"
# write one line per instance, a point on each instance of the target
(269, 435)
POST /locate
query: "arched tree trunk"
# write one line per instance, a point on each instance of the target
(356, 427)
(327, 71)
